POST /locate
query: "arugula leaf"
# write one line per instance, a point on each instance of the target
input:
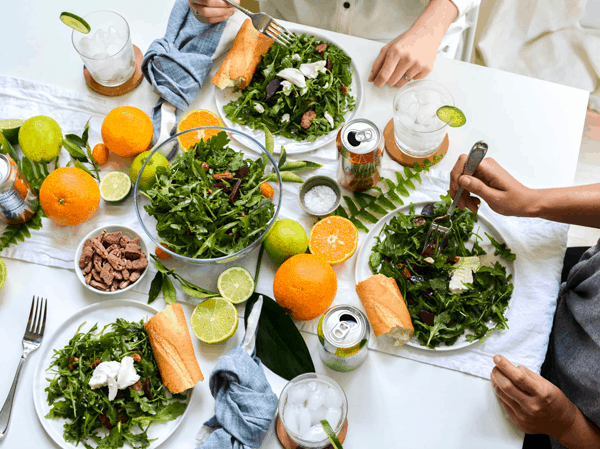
(439, 323)
(502, 249)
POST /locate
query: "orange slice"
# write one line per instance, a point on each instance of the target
(195, 119)
(334, 239)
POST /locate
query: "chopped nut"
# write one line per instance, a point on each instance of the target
(99, 248)
(132, 251)
(88, 278)
(404, 271)
(204, 166)
(134, 276)
(307, 119)
(225, 175)
(112, 238)
(99, 285)
(73, 363)
(86, 256)
(118, 276)
(124, 284)
(124, 241)
(321, 48)
(125, 274)
(343, 89)
(97, 261)
(136, 357)
(107, 274)
(137, 386)
(419, 221)
(128, 264)
(88, 268)
(452, 260)
(95, 362)
(116, 262)
(96, 275)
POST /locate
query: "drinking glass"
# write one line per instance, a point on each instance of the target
(305, 401)
(106, 50)
(417, 129)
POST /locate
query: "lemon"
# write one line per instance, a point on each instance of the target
(235, 284)
(2, 273)
(286, 238)
(147, 179)
(115, 187)
(10, 127)
(214, 320)
(40, 138)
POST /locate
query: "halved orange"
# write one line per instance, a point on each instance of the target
(334, 239)
(195, 119)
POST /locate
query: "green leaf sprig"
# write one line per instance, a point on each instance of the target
(80, 152)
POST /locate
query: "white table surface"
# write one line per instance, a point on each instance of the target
(532, 127)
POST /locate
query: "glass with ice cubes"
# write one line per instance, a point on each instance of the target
(305, 401)
(106, 50)
(417, 129)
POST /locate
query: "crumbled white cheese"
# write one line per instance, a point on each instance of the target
(112, 388)
(127, 375)
(429, 260)
(463, 273)
(296, 57)
(259, 108)
(115, 375)
(313, 69)
(285, 118)
(326, 85)
(102, 372)
(329, 118)
(286, 88)
(303, 91)
(294, 76)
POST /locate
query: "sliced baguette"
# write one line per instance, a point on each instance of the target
(173, 350)
(237, 69)
(386, 309)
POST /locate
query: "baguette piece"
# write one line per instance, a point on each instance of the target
(173, 350)
(237, 69)
(386, 308)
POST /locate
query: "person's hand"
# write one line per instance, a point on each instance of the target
(411, 54)
(211, 11)
(503, 193)
(533, 404)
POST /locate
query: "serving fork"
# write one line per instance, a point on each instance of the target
(31, 341)
(438, 234)
(267, 26)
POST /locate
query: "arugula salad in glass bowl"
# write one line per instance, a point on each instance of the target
(301, 94)
(207, 206)
(461, 294)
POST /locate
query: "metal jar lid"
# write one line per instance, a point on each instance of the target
(345, 326)
(361, 136)
(4, 168)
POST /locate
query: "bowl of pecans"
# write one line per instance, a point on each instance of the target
(111, 259)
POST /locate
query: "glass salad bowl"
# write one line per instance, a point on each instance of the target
(208, 204)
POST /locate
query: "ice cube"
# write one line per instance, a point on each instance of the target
(333, 416)
(317, 415)
(100, 40)
(333, 399)
(316, 398)
(303, 420)
(312, 386)
(406, 100)
(426, 113)
(407, 121)
(290, 417)
(112, 35)
(412, 110)
(298, 395)
(88, 47)
(314, 434)
(429, 96)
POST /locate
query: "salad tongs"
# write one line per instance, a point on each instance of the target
(438, 234)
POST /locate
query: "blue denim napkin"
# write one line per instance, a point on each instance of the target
(177, 64)
(245, 404)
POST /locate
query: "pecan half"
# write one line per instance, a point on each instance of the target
(343, 89)
(307, 119)
(321, 48)
(225, 175)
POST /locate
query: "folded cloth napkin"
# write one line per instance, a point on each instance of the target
(178, 64)
(245, 404)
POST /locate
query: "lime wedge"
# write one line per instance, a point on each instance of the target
(235, 284)
(10, 128)
(115, 187)
(75, 22)
(214, 320)
(2, 273)
(451, 115)
(335, 443)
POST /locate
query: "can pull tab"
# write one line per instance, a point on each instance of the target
(340, 330)
(356, 137)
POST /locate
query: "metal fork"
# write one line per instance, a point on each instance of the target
(31, 341)
(267, 26)
(438, 234)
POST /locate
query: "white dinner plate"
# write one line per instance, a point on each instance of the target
(103, 313)
(222, 97)
(363, 271)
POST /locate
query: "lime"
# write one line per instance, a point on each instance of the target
(75, 22)
(115, 187)
(235, 284)
(147, 179)
(335, 443)
(286, 239)
(214, 320)
(40, 138)
(451, 115)
(10, 128)
(2, 273)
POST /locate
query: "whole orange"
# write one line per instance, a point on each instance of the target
(127, 131)
(69, 196)
(305, 286)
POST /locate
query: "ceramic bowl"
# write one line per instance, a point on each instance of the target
(320, 181)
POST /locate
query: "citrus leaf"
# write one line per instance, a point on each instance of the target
(279, 344)
(194, 291)
(83, 167)
(168, 291)
(155, 287)
(74, 150)
(74, 138)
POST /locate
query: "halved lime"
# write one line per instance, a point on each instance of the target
(115, 187)
(451, 115)
(235, 284)
(214, 320)
(75, 22)
(10, 128)
(335, 443)
(2, 273)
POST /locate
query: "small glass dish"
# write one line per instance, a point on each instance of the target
(320, 181)
(149, 223)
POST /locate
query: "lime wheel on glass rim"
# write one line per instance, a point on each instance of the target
(75, 22)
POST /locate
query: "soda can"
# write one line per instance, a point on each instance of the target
(18, 201)
(359, 155)
(343, 334)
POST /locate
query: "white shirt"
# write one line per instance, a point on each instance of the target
(381, 20)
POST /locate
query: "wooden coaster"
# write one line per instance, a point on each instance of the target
(287, 442)
(122, 89)
(404, 159)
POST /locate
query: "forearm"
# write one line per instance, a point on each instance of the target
(582, 434)
(437, 17)
(578, 205)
